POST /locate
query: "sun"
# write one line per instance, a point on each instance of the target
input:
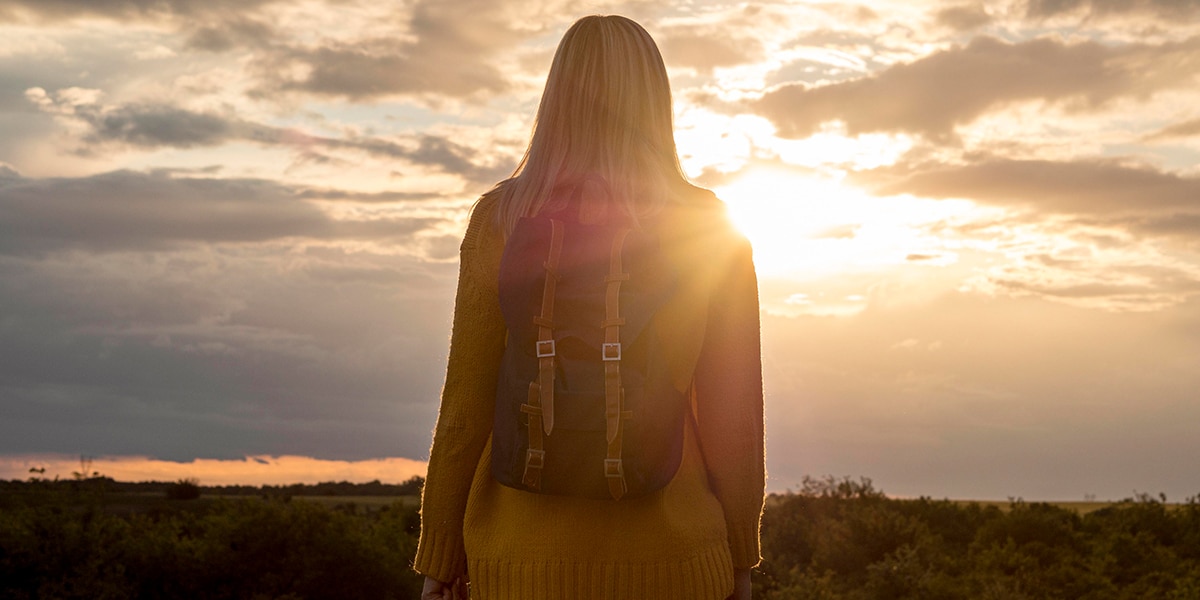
(806, 226)
(769, 205)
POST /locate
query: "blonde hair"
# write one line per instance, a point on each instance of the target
(606, 110)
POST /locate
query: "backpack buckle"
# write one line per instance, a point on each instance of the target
(613, 468)
(545, 348)
(610, 352)
(535, 459)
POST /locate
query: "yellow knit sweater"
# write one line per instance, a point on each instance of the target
(682, 542)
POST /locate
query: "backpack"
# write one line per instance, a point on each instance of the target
(585, 402)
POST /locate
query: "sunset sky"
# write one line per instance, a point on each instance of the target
(229, 229)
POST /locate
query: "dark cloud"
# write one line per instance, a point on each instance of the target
(440, 48)
(162, 125)
(126, 210)
(228, 33)
(156, 314)
(1095, 187)
(1179, 130)
(963, 18)
(455, 158)
(375, 68)
(157, 125)
(933, 95)
(1182, 225)
(367, 197)
(62, 10)
(447, 49)
(190, 353)
(1166, 9)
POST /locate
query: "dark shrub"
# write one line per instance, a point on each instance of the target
(184, 489)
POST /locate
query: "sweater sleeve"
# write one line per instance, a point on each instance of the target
(729, 402)
(464, 419)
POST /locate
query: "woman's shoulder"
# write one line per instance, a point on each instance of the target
(698, 213)
(484, 223)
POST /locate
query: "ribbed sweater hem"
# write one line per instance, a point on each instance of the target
(440, 556)
(707, 575)
(744, 546)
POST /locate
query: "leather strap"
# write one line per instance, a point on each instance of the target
(535, 456)
(545, 344)
(539, 405)
(610, 352)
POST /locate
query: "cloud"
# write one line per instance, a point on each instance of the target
(1179, 130)
(158, 125)
(1164, 9)
(369, 69)
(184, 316)
(332, 194)
(120, 10)
(1015, 382)
(1083, 187)
(229, 33)
(222, 353)
(432, 48)
(150, 126)
(127, 210)
(251, 470)
(707, 47)
(448, 48)
(1184, 225)
(965, 17)
(933, 95)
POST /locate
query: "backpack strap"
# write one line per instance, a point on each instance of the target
(540, 402)
(610, 353)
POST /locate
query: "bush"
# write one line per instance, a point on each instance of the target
(223, 549)
(833, 540)
(845, 540)
(184, 489)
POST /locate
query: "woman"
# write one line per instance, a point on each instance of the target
(603, 136)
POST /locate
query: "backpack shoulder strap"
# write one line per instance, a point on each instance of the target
(540, 403)
(610, 352)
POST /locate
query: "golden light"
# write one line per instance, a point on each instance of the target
(804, 227)
(250, 470)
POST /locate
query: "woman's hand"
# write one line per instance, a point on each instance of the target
(741, 584)
(441, 590)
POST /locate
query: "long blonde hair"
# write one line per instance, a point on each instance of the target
(606, 110)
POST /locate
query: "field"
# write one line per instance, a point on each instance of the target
(833, 540)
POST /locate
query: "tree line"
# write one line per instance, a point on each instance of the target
(411, 487)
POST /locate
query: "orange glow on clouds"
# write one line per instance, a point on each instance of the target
(251, 470)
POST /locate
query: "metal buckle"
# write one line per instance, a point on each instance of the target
(535, 459)
(613, 468)
(611, 351)
(545, 348)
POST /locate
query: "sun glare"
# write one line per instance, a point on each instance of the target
(807, 228)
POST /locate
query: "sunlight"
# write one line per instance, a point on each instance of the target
(249, 470)
(804, 227)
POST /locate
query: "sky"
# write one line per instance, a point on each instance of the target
(229, 229)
